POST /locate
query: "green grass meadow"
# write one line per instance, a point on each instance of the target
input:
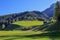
(28, 23)
(26, 35)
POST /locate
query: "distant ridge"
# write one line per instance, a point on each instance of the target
(28, 15)
(49, 11)
(31, 15)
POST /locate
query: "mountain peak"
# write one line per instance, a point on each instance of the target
(27, 15)
(58, 0)
(49, 11)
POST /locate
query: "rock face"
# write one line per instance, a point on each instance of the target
(50, 11)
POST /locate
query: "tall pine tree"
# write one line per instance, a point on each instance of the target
(55, 26)
(57, 12)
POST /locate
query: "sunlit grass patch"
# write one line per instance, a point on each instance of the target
(28, 23)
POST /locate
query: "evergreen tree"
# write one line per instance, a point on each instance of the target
(55, 25)
(57, 12)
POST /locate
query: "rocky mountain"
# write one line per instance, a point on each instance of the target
(31, 15)
(49, 11)
(28, 15)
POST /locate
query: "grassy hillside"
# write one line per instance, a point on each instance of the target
(28, 23)
(16, 35)
(27, 35)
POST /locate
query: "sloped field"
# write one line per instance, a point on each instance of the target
(28, 23)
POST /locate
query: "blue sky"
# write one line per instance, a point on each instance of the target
(16, 6)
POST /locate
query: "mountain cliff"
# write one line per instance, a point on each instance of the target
(49, 11)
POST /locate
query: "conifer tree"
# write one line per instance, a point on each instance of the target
(57, 12)
(55, 25)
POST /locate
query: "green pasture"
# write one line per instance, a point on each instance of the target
(28, 23)
(26, 35)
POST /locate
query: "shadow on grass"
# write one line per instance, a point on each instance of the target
(13, 27)
(54, 34)
(51, 36)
